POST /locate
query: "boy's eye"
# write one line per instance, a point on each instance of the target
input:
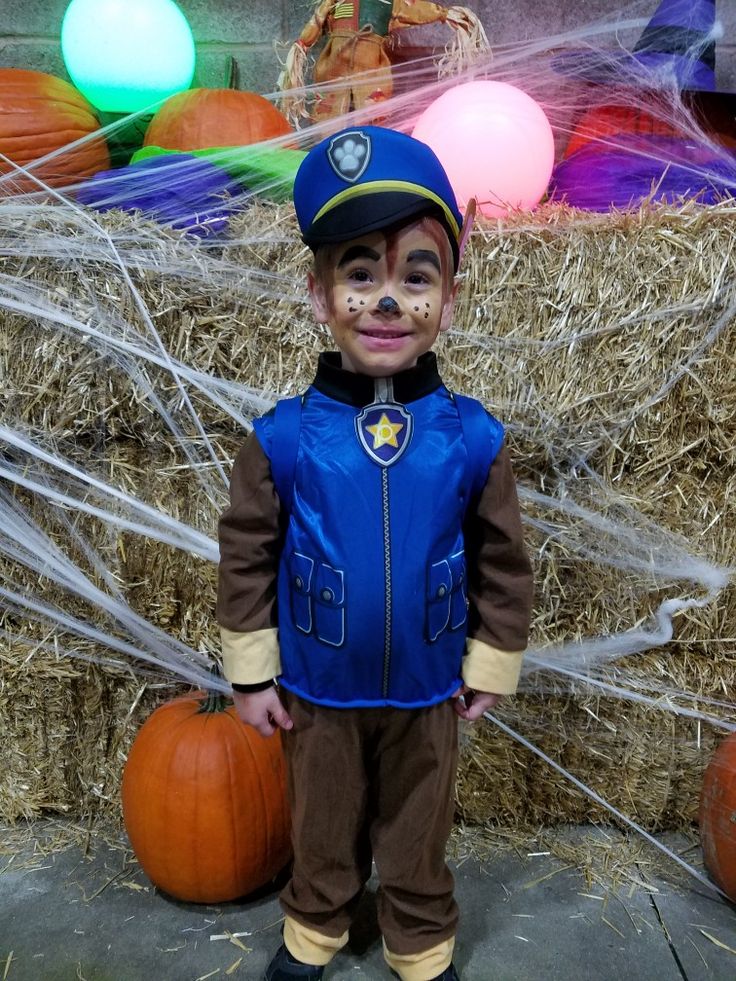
(359, 275)
(417, 279)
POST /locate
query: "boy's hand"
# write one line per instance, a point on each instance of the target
(262, 710)
(470, 704)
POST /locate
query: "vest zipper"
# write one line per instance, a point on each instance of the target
(384, 392)
(387, 580)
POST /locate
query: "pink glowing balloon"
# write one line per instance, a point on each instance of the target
(495, 143)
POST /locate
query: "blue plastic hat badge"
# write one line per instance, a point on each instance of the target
(349, 155)
(384, 430)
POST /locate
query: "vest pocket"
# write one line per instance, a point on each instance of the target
(446, 596)
(329, 605)
(317, 595)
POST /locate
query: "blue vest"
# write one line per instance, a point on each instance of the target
(372, 606)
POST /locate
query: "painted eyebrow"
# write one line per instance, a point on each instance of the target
(425, 255)
(358, 252)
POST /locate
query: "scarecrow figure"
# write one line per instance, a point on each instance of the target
(360, 34)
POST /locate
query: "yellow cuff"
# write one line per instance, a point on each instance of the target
(248, 658)
(311, 947)
(418, 967)
(487, 668)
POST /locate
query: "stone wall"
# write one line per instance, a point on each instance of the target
(245, 31)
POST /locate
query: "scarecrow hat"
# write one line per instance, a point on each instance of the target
(677, 46)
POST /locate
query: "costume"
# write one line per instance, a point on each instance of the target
(368, 593)
(374, 541)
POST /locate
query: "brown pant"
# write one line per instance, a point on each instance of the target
(372, 783)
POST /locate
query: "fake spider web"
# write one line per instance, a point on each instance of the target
(132, 371)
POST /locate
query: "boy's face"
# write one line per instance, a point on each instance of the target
(386, 296)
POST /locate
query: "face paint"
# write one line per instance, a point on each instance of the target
(385, 297)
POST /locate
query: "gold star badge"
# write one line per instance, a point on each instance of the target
(384, 432)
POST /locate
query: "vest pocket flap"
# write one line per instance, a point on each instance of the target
(301, 569)
(330, 585)
(439, 592)
(440, 580)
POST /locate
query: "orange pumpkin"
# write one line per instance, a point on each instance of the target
(202, 118)
(717, 817)
(605, 122)
(204, 801)
(39, 114)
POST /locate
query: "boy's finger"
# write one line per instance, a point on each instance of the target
(265, 728)
(474, 713)
(460, 708)
(281, 717)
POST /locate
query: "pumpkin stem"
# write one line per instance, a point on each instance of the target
(215, 701)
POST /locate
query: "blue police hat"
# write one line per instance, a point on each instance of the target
(367, 178)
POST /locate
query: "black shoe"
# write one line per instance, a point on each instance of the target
(449, 974)
(284, 967)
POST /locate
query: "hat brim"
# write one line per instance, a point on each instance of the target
(372, 213)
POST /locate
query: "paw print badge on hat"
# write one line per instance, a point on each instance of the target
(349, 155)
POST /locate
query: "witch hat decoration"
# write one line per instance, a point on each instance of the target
(676, 49)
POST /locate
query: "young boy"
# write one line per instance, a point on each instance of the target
(372, 562)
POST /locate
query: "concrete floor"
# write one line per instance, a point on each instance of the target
(537, 912)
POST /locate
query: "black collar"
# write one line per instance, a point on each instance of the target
(360, 390)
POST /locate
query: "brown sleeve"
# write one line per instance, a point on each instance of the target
(249, 537)
(500, 586)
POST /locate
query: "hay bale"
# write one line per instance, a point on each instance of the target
(540, 304)
(605, 344)
(67, 725)
(645, 761)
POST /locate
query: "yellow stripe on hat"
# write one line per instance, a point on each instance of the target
(370, 187)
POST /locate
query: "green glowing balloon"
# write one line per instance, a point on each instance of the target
(127, 55)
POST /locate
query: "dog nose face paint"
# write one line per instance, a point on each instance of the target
(387, 304)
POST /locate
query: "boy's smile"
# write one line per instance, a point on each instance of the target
(389, 296)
